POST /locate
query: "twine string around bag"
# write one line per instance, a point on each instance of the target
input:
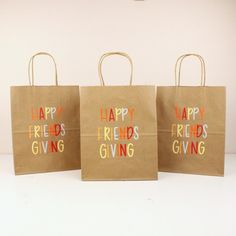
(31, 67)
(178, 66)
(110, 54)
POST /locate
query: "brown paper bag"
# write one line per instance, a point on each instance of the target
(45, 126)
(118, 131)
(191, 126)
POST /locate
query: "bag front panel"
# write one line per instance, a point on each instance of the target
(118, 133)
(191, 129)
(45, 128)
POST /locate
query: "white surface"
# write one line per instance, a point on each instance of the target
(61, 204)
(153, 32)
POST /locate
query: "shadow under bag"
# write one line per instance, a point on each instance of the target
(45, 126)
(191, 126)
(118, 131)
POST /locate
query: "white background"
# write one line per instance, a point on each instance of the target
(60, 204)
(153, 32)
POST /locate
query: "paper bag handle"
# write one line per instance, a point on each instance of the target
(31, 67)
(110, 54)
(178, 65)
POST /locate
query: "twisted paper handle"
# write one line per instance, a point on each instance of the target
(110, 54)
(178, 65)
(31, 67)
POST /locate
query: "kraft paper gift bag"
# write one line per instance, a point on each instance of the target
(118, 131)
(45, 126)
(191, 126)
